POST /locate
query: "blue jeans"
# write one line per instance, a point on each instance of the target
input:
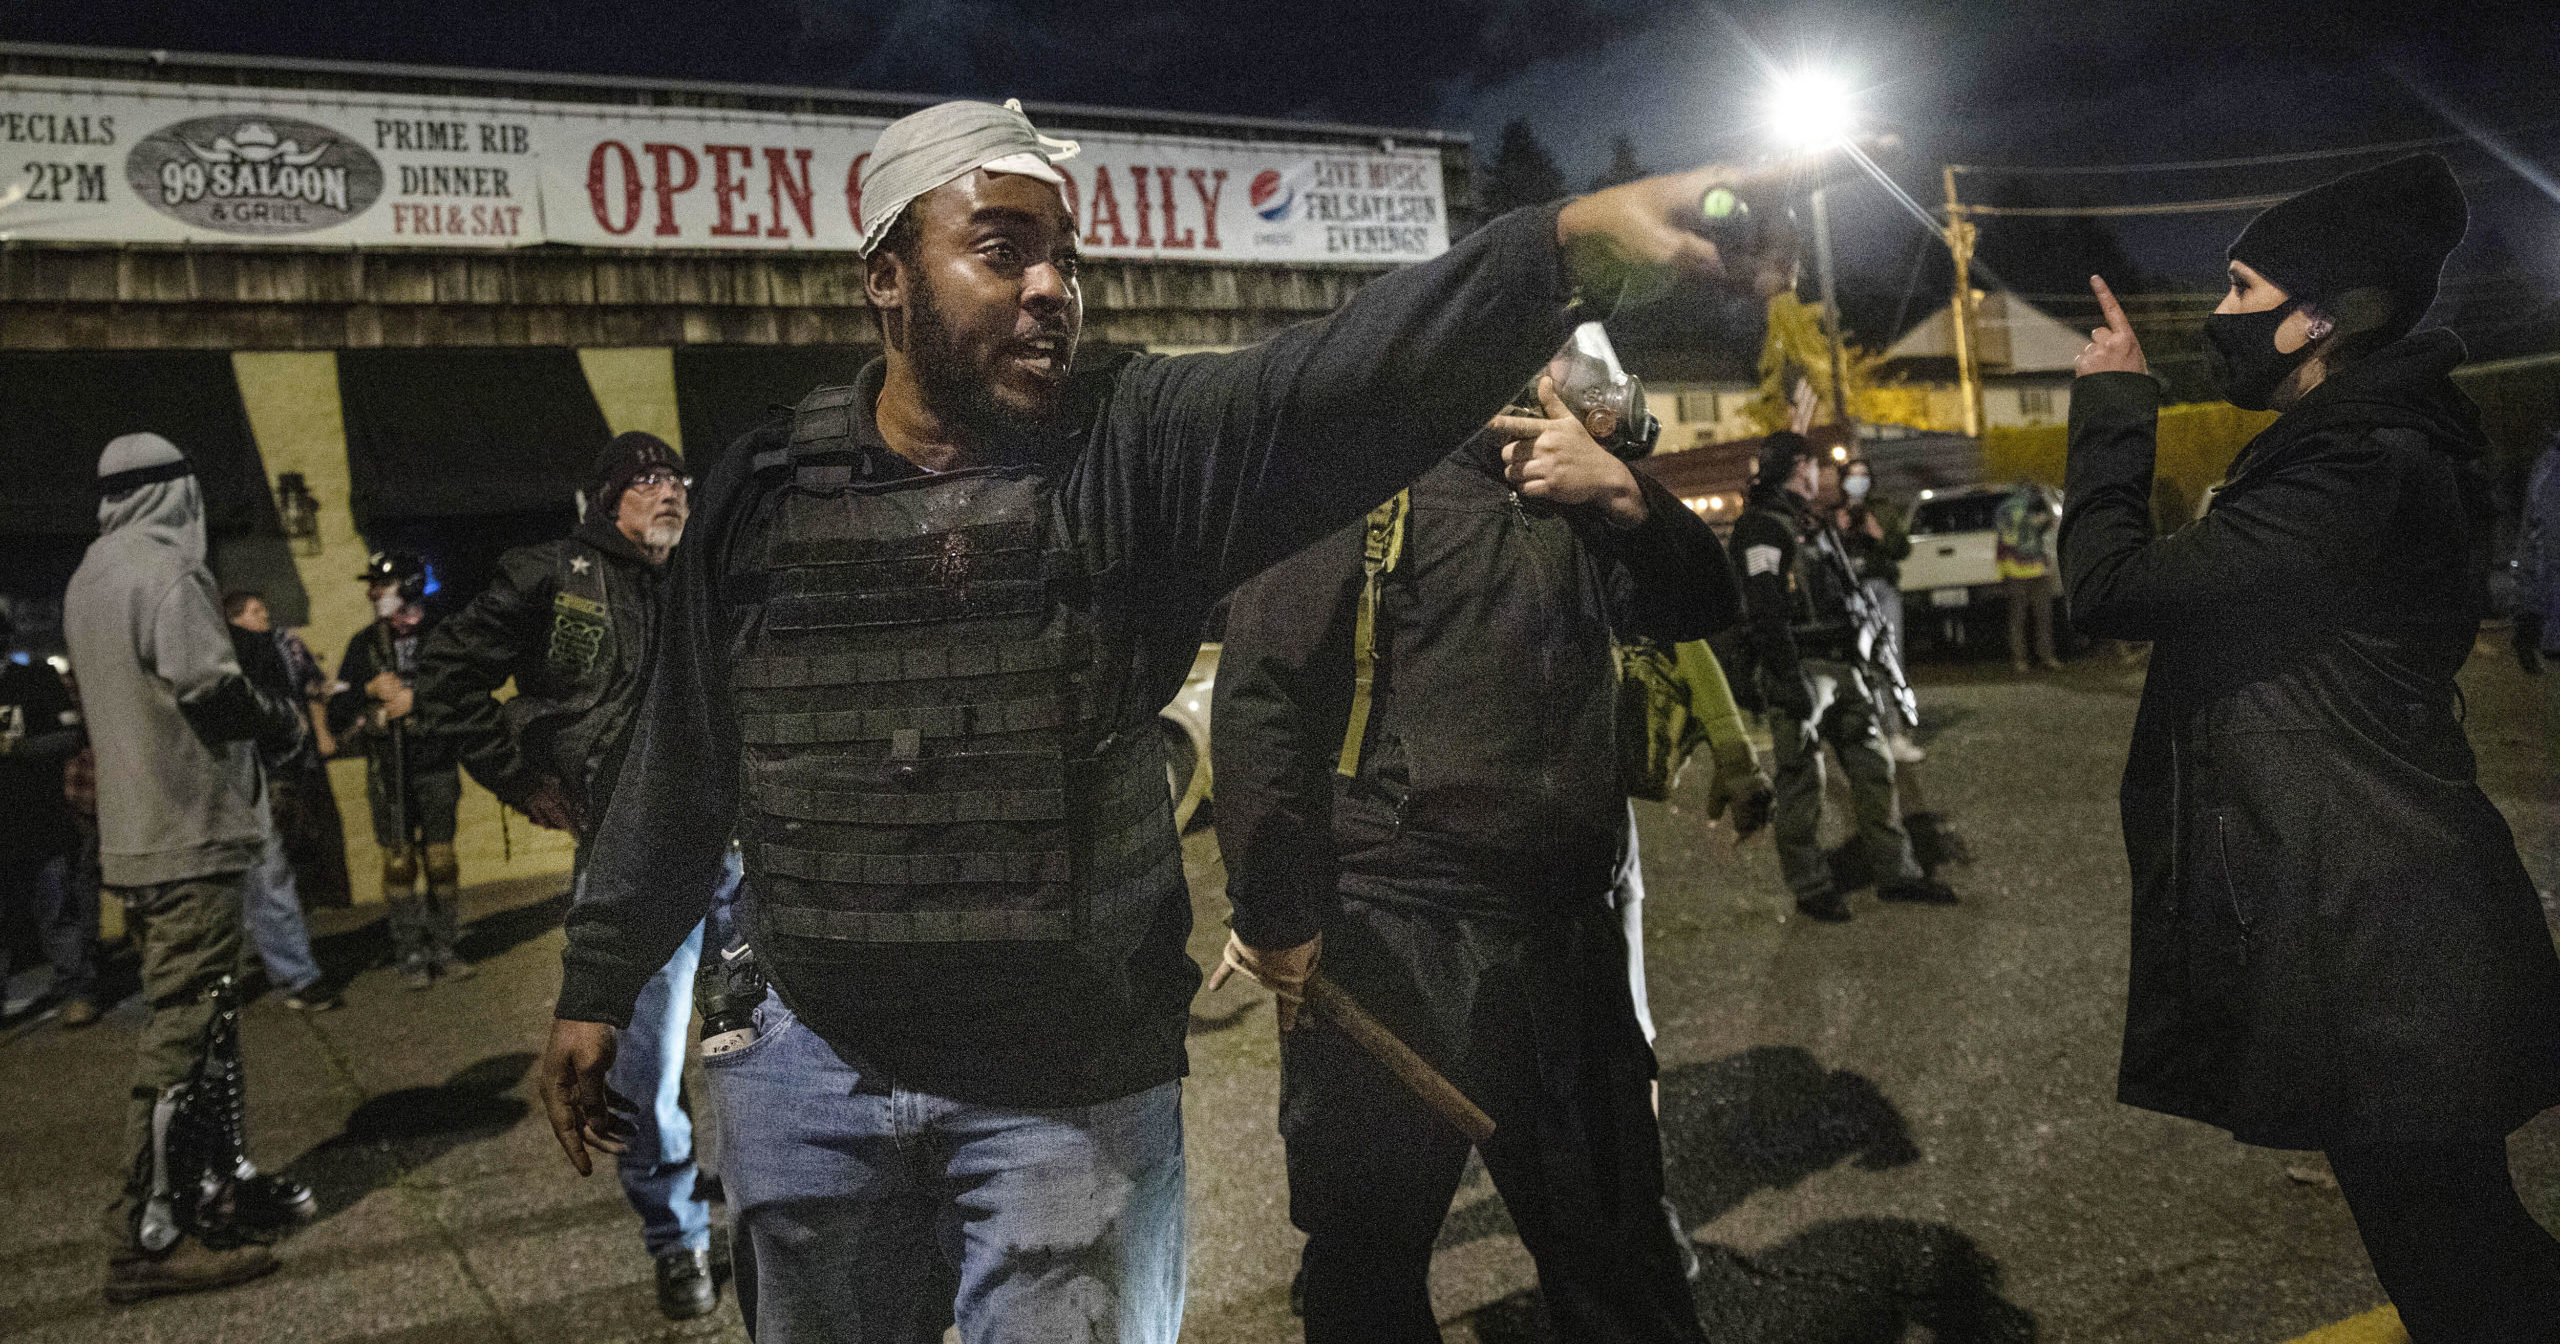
(62, 902)
(856, 1203)
(657, 1166)
(274, 910)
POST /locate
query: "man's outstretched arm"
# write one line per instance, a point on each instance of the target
(1254, 455)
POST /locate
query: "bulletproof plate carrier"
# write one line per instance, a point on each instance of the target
(925, 756)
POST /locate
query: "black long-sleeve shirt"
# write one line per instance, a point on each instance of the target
(1487, 783)
(1184, 476)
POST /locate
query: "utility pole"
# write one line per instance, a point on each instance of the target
(1831, 315)
(1960, 239)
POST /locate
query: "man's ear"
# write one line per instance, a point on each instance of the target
(884, 284)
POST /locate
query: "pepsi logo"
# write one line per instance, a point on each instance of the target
(1272, 197)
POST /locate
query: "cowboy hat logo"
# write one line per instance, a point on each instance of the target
(254, 174)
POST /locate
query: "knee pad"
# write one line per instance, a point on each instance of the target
(400, 868)
(443, 869)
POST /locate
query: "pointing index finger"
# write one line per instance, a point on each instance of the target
(2109, 308)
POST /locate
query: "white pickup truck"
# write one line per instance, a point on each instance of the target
(1953, 568)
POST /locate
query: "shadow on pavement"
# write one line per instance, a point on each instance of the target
(406, 1129)
(1210, 1026)
(1766, 1119)
(1856, 1281)
(368, 945)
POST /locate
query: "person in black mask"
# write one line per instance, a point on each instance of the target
(2335, 945)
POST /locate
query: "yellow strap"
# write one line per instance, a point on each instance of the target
(1379, 551)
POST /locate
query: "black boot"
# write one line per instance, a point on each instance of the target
(1828, 906)
(685, 1286)
(1918, 891)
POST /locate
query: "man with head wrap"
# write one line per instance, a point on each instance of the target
(571, 623)
(182, 813)
(913, 658)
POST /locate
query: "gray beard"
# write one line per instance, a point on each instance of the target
(663, 536)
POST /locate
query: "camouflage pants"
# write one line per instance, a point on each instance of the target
(190, 935)
(1844, 715)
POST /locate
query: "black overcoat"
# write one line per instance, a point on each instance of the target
(2334, 942)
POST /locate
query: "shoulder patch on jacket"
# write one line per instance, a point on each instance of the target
(1757, 560)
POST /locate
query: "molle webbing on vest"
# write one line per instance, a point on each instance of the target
(924, 757)
(932, 664)
(881, 725)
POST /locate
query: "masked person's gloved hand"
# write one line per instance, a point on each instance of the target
(1283, 971)
(2528, 638)
(1741, 794)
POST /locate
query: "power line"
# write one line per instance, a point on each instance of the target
(2247, 161)
(2218, 204)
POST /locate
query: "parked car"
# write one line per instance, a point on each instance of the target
(1185, 724)
(1953, 570)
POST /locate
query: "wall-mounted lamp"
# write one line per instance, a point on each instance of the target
(300, 512)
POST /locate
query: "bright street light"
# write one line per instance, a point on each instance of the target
(1809, 109)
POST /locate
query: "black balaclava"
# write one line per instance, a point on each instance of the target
(2383, 231)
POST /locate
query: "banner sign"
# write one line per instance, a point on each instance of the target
(92, 161)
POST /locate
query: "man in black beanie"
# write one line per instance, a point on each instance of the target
(2335, 945)
(572, 623)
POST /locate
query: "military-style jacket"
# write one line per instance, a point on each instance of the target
(571, 621)
(1791, 589)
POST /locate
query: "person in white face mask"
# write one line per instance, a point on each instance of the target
(409, 782)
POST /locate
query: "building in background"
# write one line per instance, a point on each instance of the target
(431, 294)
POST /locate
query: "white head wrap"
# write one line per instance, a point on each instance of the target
(923, 150)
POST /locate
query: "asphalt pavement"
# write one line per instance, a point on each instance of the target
(1900, 1128)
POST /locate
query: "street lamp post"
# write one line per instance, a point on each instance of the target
(1831, 313)
(1811, 110)
(1960, 237)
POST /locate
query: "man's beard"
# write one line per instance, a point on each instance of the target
(955, 389)
(663, 533)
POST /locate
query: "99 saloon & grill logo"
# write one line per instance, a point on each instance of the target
(254, 173)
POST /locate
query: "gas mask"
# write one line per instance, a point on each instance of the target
(1600, 392)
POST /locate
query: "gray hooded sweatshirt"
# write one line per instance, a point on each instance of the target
(180, 794)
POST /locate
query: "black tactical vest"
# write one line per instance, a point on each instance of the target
(926, 756)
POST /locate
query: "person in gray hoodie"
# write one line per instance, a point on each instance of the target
(182, 810)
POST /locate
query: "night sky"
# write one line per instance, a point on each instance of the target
(2033, 82)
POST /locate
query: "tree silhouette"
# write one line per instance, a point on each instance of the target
(1522, 172)
(1622, 163)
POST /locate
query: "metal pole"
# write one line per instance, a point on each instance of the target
(1960, 239)
(1831, 312)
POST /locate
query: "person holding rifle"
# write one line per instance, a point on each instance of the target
(1815, 642)
(2335, 945)
(914, 651)
(410, 782)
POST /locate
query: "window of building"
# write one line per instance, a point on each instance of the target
(2036, 403)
